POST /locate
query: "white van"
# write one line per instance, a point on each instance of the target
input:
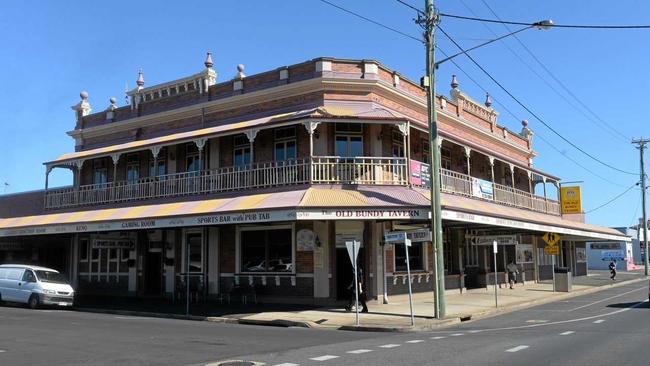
(34, 286)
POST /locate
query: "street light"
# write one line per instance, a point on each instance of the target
(429, 20)
(541, 25)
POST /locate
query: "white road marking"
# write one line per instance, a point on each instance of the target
(608, 298)
(2, 351)
(287, 364)
(567, 332)
(568, 321)
(438, 337)
(517, 349)
(359, 351)
(415, 341)
(474, 331)
(324, 358)
(599, 321)
(456, 335)
(390, 345)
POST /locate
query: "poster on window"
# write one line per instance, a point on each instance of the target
(524, 253)
(581, 254)
(482, 189)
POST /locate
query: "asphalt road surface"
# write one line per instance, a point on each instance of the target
(611, 327)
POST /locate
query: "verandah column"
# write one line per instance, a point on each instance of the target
(251, 134)
(406, 138)
(311, 126)
(512, 183)
(491, 160)
(115, 158)
(200, 145)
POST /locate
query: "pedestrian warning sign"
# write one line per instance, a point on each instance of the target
(551, 238)
(551, 250)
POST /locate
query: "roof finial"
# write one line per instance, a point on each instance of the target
(454, 82)
(488, 101)
(240, 72)
(140, 80)
(526, 132)
(208, 61)
(82, 108)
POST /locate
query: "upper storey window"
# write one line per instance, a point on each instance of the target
(285, 143)
(100, 173)
(397, 148)
(349, 140)
(132, 167)
(161, 163)
(192, 162)
(445, 158)
(242, 150)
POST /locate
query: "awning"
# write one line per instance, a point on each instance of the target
(313, 203)
(320, 112)
(464, 209)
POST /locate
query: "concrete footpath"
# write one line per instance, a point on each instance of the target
(395, 316)
(474, 304)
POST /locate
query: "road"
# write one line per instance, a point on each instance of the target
(611, 327)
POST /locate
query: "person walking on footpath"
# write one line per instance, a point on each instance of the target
(513, 271)
(362, 293)
(612, 269)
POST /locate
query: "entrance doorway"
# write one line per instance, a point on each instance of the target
(345, 272)
(153, 275)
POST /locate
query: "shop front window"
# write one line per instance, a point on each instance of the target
(267, 250)
(416, 257)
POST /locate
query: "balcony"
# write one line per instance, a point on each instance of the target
(465, 185)
(317, 170)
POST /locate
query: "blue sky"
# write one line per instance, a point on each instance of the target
(52, 51)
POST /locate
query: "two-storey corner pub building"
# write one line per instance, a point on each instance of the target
(259, 181)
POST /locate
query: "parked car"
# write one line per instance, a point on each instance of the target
(34, 286)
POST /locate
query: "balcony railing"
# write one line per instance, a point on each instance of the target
(465, 185)
(318, 170)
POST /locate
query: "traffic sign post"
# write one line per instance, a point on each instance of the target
(407, 244)
(552, 249)
(353, 252)
(495, 250)
(406, 237)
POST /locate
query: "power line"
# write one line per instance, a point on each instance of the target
(605, 125)
(517, 118)
(579, 26)
(529, 110)
(372, 21)
(410, 6)
(475, 82)
(613, 199)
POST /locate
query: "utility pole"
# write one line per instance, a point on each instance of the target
(641, 146)
(428, 21)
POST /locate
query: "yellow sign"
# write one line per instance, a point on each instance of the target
(551, 238)
(571, 200)
(551, 250)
